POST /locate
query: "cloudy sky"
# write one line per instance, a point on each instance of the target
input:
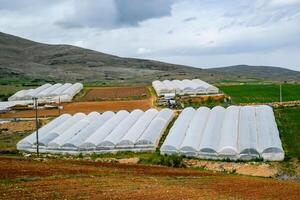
(200, 33)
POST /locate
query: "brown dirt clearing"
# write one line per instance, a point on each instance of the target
(60, 179)
(85, 107)
(115, 93)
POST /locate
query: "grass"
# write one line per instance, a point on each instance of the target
(196, 102)
(288, 121)
(261, 93)
(8, 90)
(8, 141)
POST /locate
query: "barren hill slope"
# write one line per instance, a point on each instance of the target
(28, 61)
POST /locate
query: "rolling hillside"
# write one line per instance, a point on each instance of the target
(26, 61)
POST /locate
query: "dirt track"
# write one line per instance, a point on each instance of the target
(85, 107)
(57, 179)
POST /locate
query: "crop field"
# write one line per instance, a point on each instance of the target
(288, 121)
(115, 93)
(8, 90)
(260, 93)
(60, 179)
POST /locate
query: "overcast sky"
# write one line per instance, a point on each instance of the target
(200, 33)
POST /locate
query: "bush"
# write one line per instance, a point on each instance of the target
(165, 160)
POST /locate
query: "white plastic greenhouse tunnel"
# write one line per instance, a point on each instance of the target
(106, 132)
(184, 87)
(238, 132)
(49, 93)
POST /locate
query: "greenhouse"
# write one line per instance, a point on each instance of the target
(30, 140)
(238, 132)
(72, 131)
(106, 132)
(120, 130)
(150, 137)
(49, 93)
(184, 87)
(97, 122)
(59, 130)
(177, 132)
(135, 132)
(192, 140)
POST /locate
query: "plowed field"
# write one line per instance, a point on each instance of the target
(115, 93)
(61, 179)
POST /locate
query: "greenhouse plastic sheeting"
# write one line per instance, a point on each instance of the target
(269, 143)
(28, 141)
(238, 132)
(116, 135)
(191, 142)
(49, 93)
(135, 132)
(52, 134)
(152, 134)
(95, 132)
(72, 131)
(177, 132)
(76, 140)
(184, 87)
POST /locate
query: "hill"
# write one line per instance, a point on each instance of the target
(25, 61)
(261, 72)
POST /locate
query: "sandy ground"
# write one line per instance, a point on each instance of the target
(58, 179)
(85, 107)
(250, 168)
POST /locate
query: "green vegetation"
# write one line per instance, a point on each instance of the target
(261, 93)
(288, 121)
(165, 160)
(8, 141)
(145, 158)
(8, 90)
(78, 97)
(196, 102)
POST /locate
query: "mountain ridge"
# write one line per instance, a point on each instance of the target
(24, 59)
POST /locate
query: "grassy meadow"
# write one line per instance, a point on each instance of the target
(261, 93)
(8, 90)
(288, 122)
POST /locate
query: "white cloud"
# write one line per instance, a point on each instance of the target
(202, 33)
(284, 2)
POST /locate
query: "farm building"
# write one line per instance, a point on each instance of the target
(106, 132)
(237, 132)
(184, 87)
(49, 93)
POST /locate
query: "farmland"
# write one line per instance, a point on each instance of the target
(103, 176)
(58, 179)
(261, 93)
(288, 121)
(115, 93)
(8, 90)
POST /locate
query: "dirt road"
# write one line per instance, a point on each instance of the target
(59, 179)
(85, 107)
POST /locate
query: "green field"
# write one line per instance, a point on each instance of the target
(8, 90)
(260, 93)
(288, 121)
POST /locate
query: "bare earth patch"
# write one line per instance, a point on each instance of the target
(13, 127)
(115, 93)
(251, 168)
(85, 107)
(62, 179)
